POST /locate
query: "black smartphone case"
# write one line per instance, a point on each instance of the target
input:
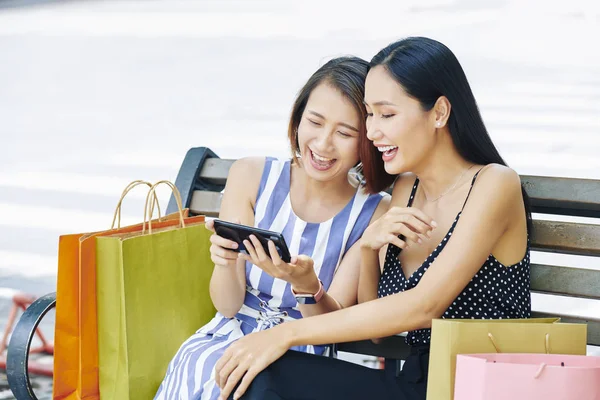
(238, 233)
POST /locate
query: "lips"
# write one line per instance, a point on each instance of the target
(389, 152)
(319, 162)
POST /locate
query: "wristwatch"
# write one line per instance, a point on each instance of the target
(310, 298)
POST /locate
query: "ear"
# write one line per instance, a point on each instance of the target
(441, 111)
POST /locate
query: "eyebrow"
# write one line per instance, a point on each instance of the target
(381, 103)
(341, 123)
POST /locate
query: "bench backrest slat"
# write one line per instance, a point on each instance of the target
(566, 237)
(563, 196)
(215, 170)
(576, 282)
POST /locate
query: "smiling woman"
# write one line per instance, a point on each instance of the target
(310, 200)
(454, 243)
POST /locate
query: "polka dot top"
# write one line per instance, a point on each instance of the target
(495, 292)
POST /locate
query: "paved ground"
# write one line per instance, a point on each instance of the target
(96, 94)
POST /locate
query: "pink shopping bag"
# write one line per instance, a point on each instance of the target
(527, 377)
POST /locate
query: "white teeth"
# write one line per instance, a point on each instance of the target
(319, 158)
(387, 148)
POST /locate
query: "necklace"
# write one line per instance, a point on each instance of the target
(451, 188)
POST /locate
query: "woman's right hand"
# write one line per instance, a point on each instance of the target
(410, 222)
(221, 252)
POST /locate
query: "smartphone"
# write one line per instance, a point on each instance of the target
(238, 233)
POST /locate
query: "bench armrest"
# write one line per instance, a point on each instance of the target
(188, 177)
(18, 350)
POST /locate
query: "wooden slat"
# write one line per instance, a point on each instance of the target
(576, 282)
(215, 170)
(205, 203)
(390, 347)
(566, 237)
(563, 196)
(593, 324)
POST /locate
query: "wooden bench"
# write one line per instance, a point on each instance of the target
(202, 178)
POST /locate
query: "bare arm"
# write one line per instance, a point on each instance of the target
(370, 263)
(343, 290)
(228, 282)
(484, 221)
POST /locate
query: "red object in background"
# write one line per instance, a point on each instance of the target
(22, 301)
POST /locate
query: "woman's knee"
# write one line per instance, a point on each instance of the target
(262, 388)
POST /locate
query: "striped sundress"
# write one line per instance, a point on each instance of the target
(268, 301)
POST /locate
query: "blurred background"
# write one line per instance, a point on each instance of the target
(95, 94)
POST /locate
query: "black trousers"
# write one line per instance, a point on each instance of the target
(301, 376)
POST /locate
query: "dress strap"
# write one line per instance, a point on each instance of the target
(412, 193)
(471, 188)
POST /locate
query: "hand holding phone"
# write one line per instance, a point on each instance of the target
(239, 233)
(268, 251)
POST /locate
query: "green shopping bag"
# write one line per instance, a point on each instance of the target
(153, 294)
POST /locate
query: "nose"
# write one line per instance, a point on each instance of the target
(373, 133)
(325, 140)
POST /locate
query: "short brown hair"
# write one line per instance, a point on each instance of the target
(345, 74)
(376, 179)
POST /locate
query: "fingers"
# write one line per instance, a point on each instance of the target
(395, 240)
(251, 252)
(232, 380)
(246, 381)
(210, 225)
(222, 242)
(304, 260)
(271, 263)
(415, 219)
(423, 217)
(223, 367)
(220, 253)
(259, 249)
(410, 236)
(415, 212)
(274, 254)
(223, 262)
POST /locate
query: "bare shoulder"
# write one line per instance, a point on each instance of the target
(247, 167)
(497, 187)
(496, 178)
(382, 207)
(402, 187)
(244, 177)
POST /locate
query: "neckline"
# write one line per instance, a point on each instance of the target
(411, 199)
(438, 249)
(288, 164)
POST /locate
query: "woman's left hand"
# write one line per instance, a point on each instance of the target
(299, 272)
(246, 358)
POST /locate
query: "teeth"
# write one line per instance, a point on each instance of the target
(387, 148)
(319, 158)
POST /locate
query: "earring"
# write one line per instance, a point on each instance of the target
(438, 124)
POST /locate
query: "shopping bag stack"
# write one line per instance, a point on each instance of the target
(126, 300)
(452, 338)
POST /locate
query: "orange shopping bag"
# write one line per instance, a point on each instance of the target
(76, 337)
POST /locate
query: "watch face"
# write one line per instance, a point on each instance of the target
(308, 299)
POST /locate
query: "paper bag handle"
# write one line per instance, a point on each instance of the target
(128, 188)
(498, 350)
(149, 208)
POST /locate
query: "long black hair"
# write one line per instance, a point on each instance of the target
(426, 69)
